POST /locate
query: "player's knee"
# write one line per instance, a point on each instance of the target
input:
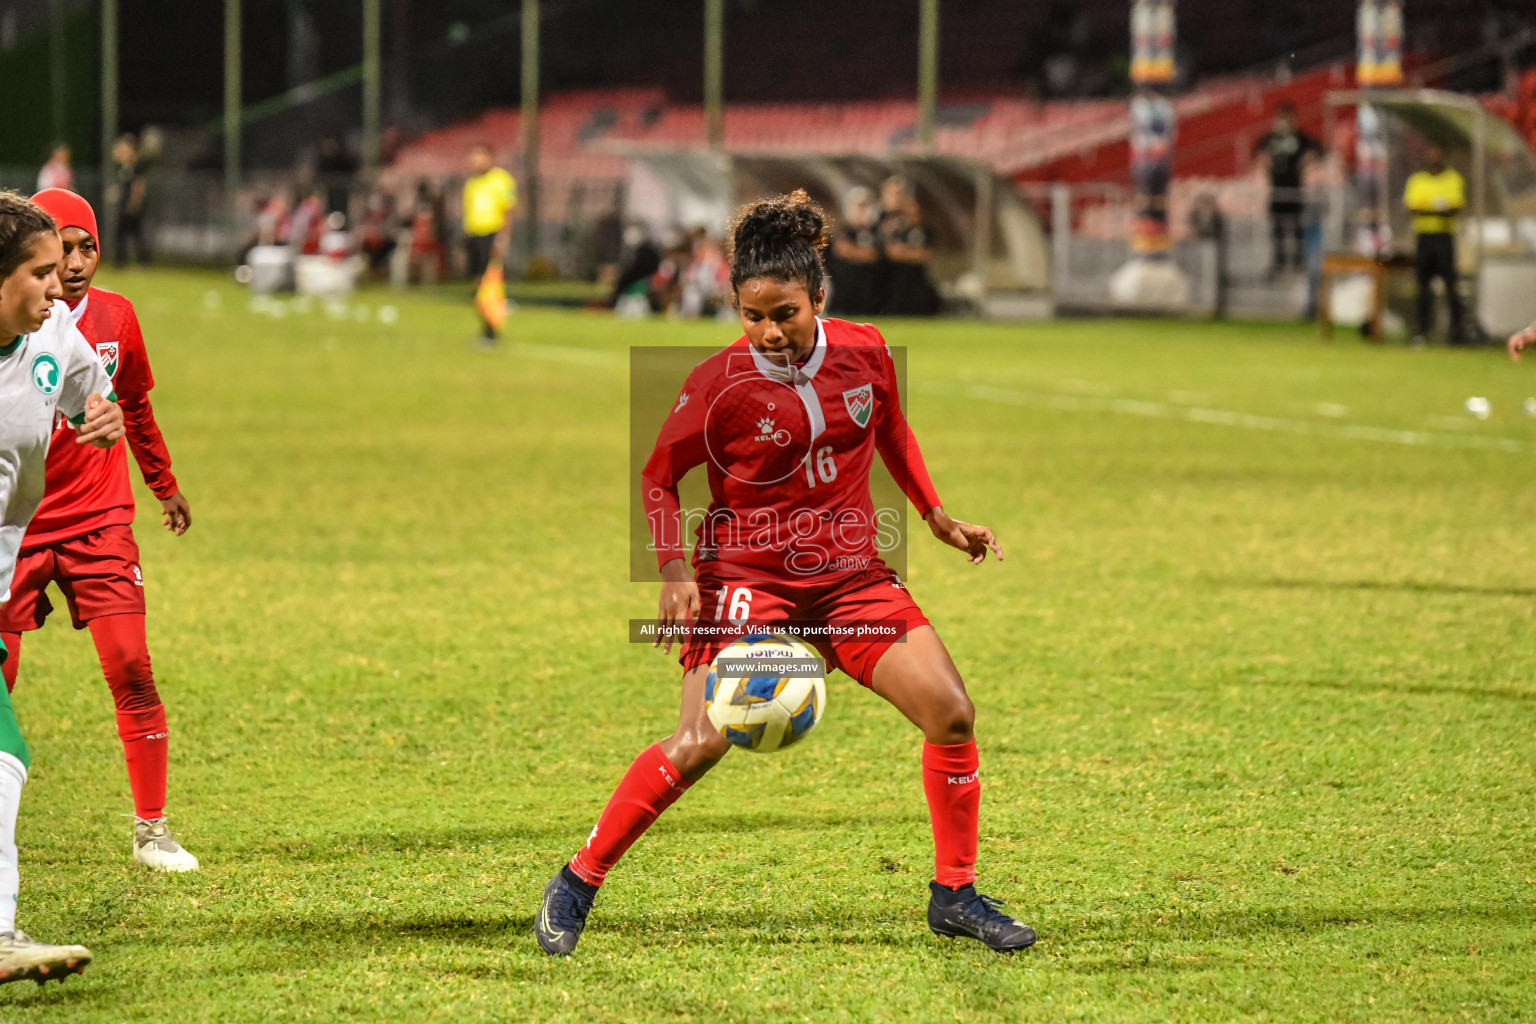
(694, 751)
(954, 721)
(130, 678)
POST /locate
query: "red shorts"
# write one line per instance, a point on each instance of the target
(98, 573)
(875, 595)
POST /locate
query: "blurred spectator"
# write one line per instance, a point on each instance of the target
(380, 229)
(905, 243)
(126, 196)
(336, 166)
(666, 285)
(855, 262)
(307, 224)
(1286, 149)
(273, 219)
(57, 172)
(428, 253)
(1208, 224)
(1435, 197)
(707, 281)
(644, 261)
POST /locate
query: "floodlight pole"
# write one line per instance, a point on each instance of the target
(927, 72)
(58, 66)
(372, 33)
(232, 111)
(108, 97)
(530, 119)
(714, 73)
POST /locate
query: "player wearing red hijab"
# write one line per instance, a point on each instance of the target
(788, 420)
(81, 537)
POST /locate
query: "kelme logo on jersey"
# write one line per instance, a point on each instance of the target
(107, 351)
(45, 373)
(861, 403)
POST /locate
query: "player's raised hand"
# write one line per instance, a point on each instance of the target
(972, 539)
(103, 424)
(679, 602)
(176, 513)
(1523, 340)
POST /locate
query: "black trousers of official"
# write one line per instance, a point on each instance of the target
(1436, 257)
(1286, 227)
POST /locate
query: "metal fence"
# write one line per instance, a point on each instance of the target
(1229, 259)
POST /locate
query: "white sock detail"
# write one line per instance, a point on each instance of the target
(13, 776)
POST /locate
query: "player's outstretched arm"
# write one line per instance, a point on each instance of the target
(972, 539)
(679, 600)
(1523, 340)
(103, 423)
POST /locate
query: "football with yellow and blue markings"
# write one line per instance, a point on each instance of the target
(765, 692)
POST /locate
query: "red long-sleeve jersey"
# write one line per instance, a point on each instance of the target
(87, 488)
(789, 452)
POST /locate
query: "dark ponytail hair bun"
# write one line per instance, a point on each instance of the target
(21, 221)
(781, 237)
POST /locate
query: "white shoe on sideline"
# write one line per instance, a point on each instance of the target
(156, 847)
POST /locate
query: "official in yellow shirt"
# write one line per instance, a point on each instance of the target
(490, 195)
(1435, 198)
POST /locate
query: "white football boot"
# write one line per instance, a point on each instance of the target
(156, 847)
(26, 959)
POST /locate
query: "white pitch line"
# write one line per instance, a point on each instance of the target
(1225, 418)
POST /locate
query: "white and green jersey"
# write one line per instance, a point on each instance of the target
(47, 373)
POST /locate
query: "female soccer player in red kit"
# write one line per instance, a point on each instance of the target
(787, 420)
(82, 540)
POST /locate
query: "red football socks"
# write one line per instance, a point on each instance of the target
(146, 745)
(650, 786)
(141, 721)
(952, 781)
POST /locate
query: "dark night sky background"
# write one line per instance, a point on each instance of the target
(449, 58)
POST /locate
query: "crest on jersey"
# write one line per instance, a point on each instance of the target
(45, 373)
(108, 352)
(861, 403)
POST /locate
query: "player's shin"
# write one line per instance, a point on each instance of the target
(141, 723)
(146, 742)
(649, 787)
(952, 783)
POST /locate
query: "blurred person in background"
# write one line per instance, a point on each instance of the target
(57, 172)
(336, 167)
(126, 195)
(380, 230)
(1520, 342)
(643, 263)
(854, 266)
(307, 223)
(905, 243)
(666, 285)
(707, 281)
(1286, 149)
(429, 256)
(274, 219)
(1435, 197)
(490, 194)
(1208, 224)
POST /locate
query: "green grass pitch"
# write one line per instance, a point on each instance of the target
(1256, 691)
